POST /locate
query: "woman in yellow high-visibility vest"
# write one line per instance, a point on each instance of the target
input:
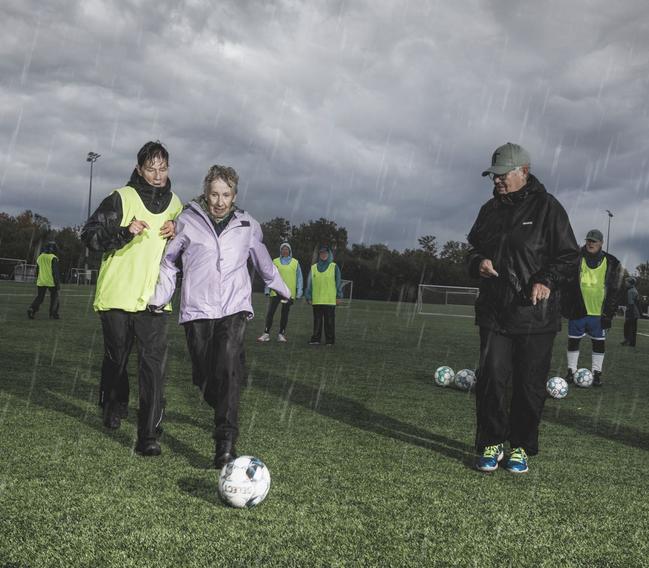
(324, 291)
(291, 273)
(47, 278)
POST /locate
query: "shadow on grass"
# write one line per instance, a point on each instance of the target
(613, 431)
(201, 489)
(355, 414)
(47, 395)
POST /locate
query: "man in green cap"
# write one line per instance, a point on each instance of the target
(590, 302)
(523, 250)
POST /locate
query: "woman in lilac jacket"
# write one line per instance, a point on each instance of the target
(214, 239)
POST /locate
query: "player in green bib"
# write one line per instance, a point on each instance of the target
(323, 291)
(47, 278)
(291, 273)
(131, 228)
(590, 302)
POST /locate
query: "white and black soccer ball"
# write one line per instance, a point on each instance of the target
(244, 482)
(583, 378)
(557, 387)
(465, 379)
(444, 376)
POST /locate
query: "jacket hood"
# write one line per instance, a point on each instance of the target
(324, 264)
(285, 259)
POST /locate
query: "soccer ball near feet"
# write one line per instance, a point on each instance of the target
(557, 387)
(444, 376)
(465, 379)
(583, 378)
(244, 482)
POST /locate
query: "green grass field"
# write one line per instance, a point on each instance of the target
(371, 463)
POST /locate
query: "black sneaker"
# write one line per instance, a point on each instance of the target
(122, 409)
(30, 314)
(570, 377)
(597, 378)
(224, 453)
(112, 420)
(148, 447)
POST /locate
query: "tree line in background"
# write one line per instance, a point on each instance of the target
(378, 272)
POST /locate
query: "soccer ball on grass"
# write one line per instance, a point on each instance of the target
(557, 387)
(465, 379)
(444, 376)
(244, 482)
(583, 378)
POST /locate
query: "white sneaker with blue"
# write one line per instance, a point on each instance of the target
(490, 457)
(517, 461)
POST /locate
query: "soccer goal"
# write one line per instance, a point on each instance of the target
(431, 296)
(81, 276)
(24, 273)
(347, 289)
(8, 267)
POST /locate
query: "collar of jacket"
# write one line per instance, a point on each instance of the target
(593, 260)
(196, 206)
(145, 189)
(532, 186)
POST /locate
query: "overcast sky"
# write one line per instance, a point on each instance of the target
(379, 115)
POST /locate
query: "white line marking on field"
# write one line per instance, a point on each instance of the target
(66, 295)
(449, 315)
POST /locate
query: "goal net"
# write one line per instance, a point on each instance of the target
(24, 273)
(431, 296)
(8, 267)
(81, 276)
(347, 289)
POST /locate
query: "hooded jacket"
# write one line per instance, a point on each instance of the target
(572, 301)
(216, 282)
(102, 232)
(299, 281)
(528, 237)
(321, 266)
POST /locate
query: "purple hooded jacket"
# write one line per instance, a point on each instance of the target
(216, 282)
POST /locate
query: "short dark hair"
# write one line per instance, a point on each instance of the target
(150, 151)
(224, 173)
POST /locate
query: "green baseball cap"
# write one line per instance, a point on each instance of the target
(595, 235)
(506, 158)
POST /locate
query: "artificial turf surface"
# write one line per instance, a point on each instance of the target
(371, 463)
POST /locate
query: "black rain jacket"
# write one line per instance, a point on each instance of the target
(102, 232)
(572, 302)
(528, 237)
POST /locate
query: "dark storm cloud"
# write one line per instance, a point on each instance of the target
(378, 115)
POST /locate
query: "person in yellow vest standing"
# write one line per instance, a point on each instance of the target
(131, 227)
(47, 278)
(291, 273)
(324, 291)
(590, 302)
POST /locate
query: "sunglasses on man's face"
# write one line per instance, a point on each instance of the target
(493, 176)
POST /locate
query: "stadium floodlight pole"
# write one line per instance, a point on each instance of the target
(92, 158)
(608, 232)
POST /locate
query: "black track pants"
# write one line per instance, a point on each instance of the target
(121, 329)
(270, 314)
(54, 300)
(630, 331)
(216, 350)
(326, 314)
(522, 361)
